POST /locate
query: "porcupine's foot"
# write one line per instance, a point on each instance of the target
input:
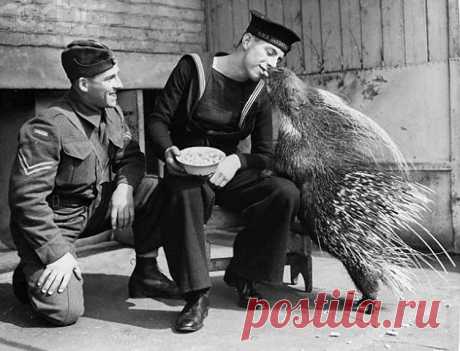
(367, 283)
(368, 308)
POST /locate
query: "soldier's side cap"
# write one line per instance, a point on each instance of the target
(271, 32)
(86, 58)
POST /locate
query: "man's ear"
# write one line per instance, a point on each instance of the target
(246, 40)
(82, 84)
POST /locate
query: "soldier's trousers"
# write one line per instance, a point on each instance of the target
(74, 222)
(268, 204)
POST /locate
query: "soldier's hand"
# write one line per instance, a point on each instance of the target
(225, 170)
(121, 207)
(172, 165)
(57, 275)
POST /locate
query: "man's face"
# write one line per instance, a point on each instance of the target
(102, 88)
(259, 55)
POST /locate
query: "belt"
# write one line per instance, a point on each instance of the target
(56, 201)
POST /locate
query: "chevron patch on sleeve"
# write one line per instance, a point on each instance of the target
(35, 168)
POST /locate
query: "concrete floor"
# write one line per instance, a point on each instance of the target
(114, 322)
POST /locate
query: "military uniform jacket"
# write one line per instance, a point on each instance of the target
(59, 155)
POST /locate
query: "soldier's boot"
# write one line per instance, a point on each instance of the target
(148, 281)
(20, 285)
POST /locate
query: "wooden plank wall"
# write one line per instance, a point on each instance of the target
(148, 38)
(340, 35)
(167, 26)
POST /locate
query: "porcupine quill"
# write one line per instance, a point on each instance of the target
(352, 204)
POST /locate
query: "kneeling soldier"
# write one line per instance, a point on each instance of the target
(75, 172)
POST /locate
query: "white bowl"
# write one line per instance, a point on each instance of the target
(200, 168)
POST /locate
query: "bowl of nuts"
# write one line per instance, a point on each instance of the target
(200, 160)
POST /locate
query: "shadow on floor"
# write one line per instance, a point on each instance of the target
(106, 298)
(19, 346)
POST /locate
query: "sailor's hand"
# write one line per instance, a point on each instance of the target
(226, 170)
(57, 275)
(172, 166)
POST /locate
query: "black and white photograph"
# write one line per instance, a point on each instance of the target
(229, 175)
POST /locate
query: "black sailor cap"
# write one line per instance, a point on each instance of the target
(272, 32)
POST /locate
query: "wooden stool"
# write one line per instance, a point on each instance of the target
(226, 224)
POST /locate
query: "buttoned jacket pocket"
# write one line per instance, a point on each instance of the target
(78, 163)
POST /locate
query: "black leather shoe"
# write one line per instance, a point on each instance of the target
(245, 288)
(191, 317)
(148, 281)
(20, 285)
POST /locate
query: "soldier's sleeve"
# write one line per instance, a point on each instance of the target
(32, 181)
(129, 162)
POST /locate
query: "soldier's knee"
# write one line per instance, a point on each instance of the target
(60, 309)
(62, 315)
(70, 315)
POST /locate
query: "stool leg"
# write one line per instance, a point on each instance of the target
(208, 250)
(301, 264)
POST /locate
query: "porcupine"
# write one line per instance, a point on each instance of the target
(351, 204)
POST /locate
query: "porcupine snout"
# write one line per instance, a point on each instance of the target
(276, 80)
(273, 80)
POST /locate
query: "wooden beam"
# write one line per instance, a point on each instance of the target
(393, 32)
(454, 88)
(275, 10)
(293, 20)
(240, 13)
(140, 119)
(312, 43)
(330, 29)
(437, 30)
(454, 28)
(351, 34)
(371, 28)
(223, 25)
(40, 68)
(454, 78)
(258, 5)
(416, 34)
